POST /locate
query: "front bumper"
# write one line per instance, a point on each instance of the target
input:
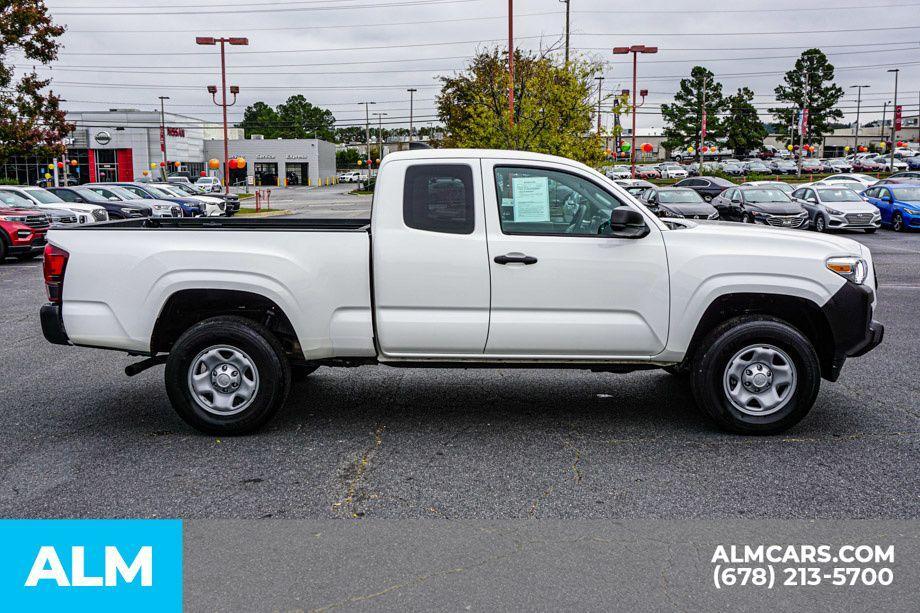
(854, 221)
(853, 331)
(53, 324)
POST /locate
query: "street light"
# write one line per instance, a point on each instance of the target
(859, 89)
(212, 89)
(635, 50)
(379, 115)
(367, 134)
(163, 99)
(411, 91)
(600, 83)
(894, 117)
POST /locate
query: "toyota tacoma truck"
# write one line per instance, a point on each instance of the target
(470, 259)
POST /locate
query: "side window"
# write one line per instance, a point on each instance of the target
(799, 193)
(872, 192)
(67, 195)
(544, 201)
(134, 190)
(730, 194)
(439, 198)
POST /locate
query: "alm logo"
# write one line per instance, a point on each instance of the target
(48, 567)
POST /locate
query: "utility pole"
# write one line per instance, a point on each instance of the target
(163, 131)
(807, 97)
(511, 63)
(859, 89)
(600, 83)
(212, 89)
(567, 19)
(411, 91)
(699, 145)
(367, 135)
(894, 121)
(884, 113)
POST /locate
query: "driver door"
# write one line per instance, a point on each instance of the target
(559, 288)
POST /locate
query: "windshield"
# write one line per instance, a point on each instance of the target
(843, 194)
(181, 187)
(908, 194)
(13, 200)
(159, 192)
(766, 195)
(44, 197)
(679, 196)
(121, 192)
(89, 194)
(205, 180)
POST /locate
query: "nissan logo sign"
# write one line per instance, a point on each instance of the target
(103, 138)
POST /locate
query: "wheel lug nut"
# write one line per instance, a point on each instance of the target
(234, 373)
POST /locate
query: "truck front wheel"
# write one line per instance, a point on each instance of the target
(756, 375)
(227, 375)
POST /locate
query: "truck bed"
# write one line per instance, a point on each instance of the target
(328, 224)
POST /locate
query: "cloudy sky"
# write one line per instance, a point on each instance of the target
(338, 53)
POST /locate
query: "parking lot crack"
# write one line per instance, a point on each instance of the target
(355, 495)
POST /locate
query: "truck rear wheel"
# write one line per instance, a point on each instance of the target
(227, 375)
(756, 375)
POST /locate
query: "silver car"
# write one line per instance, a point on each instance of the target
(837, 207)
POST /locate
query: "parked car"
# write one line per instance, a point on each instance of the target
(671, 170)
(635, 187)
(22, 232)
(853, 177)
(812, 166)
(180, 179)
(868, 164)
(837, 208)
(647, 172)
(735, 169)
(117, 209)
(231, 201)
(214, 206)
(190, 207)
(764, 205)
(69, 180)
(902, 153)
(43, 199)
(783, 166)
(707, 187)
(906, 174)
(209, 184)
(619, 171)
(114, 193)
(756, 316)
(58, 217)
(899, 205)
(350, 176)
(774, 184)
(839, 165)
(913, 163)
(756, 167)
(885, 163)
(678, 202)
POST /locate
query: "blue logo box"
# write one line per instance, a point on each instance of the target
(91, 565)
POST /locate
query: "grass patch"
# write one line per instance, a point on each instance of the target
(245, 196)
(362, 192)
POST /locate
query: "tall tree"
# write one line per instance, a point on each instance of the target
(31, 120)
(553, 102)
(260, 118)
(744, 131)
(684, 117)
(810, 84)
(301, 119)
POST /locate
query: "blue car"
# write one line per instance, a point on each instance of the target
(190, 207)
(899, 204)
(913, 163)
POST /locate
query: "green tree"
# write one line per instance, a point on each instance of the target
(350, 134)
(260, 118)
(552, 106)
(810, 84)
(31, 121)
(301, 119)
(684, 117)
(347, 158)
(744, 131)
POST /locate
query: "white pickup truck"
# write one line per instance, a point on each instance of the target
(491, 259)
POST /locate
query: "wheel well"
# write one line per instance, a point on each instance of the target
(188, 307)
(800, 313)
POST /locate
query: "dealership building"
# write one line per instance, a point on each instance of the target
(123, 144)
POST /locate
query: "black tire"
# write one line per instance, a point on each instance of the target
(258, 344)
(870, 230)
(747, 218)
(711, 361)
(820, 224)
(897, 222)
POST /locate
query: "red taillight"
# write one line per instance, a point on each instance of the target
(54, 266)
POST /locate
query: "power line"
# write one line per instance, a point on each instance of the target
(107, 12)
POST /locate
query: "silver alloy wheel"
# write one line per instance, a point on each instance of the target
(819, 224)
(223, 380)
(760, 379)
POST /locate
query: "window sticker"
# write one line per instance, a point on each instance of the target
(531, 198)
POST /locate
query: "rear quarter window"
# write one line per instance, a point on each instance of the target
(439, 198)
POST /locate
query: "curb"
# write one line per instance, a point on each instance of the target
(265, 214)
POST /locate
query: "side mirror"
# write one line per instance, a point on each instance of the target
(627, 223)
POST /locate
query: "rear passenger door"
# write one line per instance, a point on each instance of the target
(430, 260)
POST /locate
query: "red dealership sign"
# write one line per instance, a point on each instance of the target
(897, 117)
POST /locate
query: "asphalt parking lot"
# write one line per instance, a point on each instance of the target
(80, 439)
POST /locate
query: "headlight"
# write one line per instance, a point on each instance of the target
(669, 213)
(17, 218)
(911, 212)
(161, 207)
(851, 268)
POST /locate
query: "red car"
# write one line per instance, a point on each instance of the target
(22, 233)
(647, 172)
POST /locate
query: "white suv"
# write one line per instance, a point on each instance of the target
(43, 199)
(209, 184)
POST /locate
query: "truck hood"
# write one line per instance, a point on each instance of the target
(836, 245)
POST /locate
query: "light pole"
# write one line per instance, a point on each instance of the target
(367, 134)
(884, 113)
(411, 91)
(511, 63)
(568, 7)
(600, 83)
(233, 40)
(894, 118)
(380, 117)
(635, 50)
(859, 89)
(163, 99)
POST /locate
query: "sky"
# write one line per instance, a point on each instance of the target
(338, 53)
